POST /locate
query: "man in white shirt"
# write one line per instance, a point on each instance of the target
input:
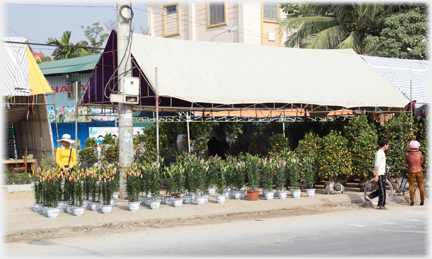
(379, 172)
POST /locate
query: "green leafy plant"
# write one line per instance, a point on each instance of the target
(239, 173)
(293, 170)
(363, 155)
(268, 174)
(11, 178)
(309, 173)
(132, 174)
(91, 142)
(106, 181)
(281, 174)
(253, 168)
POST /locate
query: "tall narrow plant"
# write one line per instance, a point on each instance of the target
(281, 174)
(293, 171)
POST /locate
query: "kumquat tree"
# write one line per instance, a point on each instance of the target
(334, 159)
(399, 131)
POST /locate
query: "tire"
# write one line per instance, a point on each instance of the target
(370, 186)
(406, 192)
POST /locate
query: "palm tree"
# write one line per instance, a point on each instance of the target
(331, 26)
(63, 52)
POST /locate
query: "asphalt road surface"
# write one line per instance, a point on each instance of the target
(401, 231)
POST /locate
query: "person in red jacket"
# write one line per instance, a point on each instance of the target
(414, 159)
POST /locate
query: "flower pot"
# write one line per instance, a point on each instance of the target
(282, 194)
(253, 195)
(86, 204)
(113, 202)
(269, 195)
(220, 199)
(177, 202)
(193, 195)
(211, 190)
(134, 206)
(94, 206)
(115, 196)
(200, 200)
(44, 211)
(69, 209)
(155, 204)
(168, 200)
(159, 198)
(52, 212)
(310, 192)
(62, 205)
(106, 209)
(37, 207)
(207, 197)
(142, 199)
(266, 190)
(237, 195)
(147, 201)
(296, 193)
(228, 194)
(187, 199)
(78, 211)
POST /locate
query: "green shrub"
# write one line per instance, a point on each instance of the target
(15, 178)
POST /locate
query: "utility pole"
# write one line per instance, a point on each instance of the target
(124, 110)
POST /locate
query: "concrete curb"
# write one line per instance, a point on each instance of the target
(18, 188)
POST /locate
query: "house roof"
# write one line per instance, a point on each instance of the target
(70, 65)
(400, 72)
(38, 54)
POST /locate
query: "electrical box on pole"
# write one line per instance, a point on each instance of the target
(130, 93)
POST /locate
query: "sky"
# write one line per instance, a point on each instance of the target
(39, 20)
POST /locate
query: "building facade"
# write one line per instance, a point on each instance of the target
(258, 23)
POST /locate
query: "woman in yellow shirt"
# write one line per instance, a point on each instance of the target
(66, 155)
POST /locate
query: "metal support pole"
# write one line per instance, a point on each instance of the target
(157, 114)
(125, 110)
(411, 104)
(76, 114)
(187, 123)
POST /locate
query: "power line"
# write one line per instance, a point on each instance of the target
(80, 18)
(52, 45)
(78, 6)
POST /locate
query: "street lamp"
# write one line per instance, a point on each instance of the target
(230, 30)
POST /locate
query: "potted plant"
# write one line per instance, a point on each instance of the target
(52, 195)
(212, 176)
(107, 184)
(220, 183)
(309, 174)
(169, 183)
(281, 178)
(78, 209)
(267, 179)
(178, 176)
(239, 176)
(155, 185)
(38, 190)
(293, 174)
(253, 174)
(92, 189)
(132, 176)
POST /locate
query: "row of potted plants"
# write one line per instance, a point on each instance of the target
(75, 190)
(190, 179)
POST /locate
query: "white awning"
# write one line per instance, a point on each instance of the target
(236, 73)
(16, 77)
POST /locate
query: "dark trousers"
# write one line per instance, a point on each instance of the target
(380, 192)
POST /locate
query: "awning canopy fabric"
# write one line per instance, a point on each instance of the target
(22, 75)
(38, 82)
(16, 76)
(235, 73)
(204, 76)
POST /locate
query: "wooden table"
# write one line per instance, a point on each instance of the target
(10, 163)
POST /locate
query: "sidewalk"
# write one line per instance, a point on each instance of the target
(20, 216)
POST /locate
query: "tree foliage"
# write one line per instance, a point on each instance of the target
(95, 36)
(367, 28)
(65, 52)
(404, 36)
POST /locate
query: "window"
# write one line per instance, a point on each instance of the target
(271, 12)
(171, 20)
(171, 9)
(216, 14)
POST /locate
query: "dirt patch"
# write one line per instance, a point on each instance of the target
(114, 228)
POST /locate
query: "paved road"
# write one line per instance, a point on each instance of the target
(400, 231)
